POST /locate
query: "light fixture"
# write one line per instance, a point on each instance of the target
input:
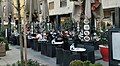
(87, 38)
(86, 27)
(86, 32)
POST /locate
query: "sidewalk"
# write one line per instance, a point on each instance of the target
(97, 54)
(13, 55)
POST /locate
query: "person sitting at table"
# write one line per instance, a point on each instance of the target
(76, 40)
(65, 39)
(50, 37)
(38, 36)
(58, 38)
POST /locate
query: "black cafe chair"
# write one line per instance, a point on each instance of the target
(75, 56)
(69, 56)
(59, 56)
(66, 58)
(51, 50)
(43, 48)
(89, 54)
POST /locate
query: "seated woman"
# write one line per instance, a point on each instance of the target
(57, 38)
(38, 36)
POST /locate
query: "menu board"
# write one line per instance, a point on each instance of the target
(116, 45)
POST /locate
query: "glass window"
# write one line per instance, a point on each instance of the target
(63, 3)
(51, 5)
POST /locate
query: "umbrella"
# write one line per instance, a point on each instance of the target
(45, 12)
(35, 5)
(27, 6)
(0, 10)
(10, 7)
(88, 9)
(97, 9)
(77, 11)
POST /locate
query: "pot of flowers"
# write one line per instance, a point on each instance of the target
(103, 46)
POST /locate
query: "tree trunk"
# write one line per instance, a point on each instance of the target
(25, 42)
(19, 28)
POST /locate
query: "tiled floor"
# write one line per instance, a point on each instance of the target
(13, 55)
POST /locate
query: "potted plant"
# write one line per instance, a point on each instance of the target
(2, 47)
(103, 45)
(104, 52)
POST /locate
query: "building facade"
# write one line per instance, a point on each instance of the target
(109, 11)
(60, 12)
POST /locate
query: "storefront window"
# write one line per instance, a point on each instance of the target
(51, 5)
(63, 3)
(65, 23)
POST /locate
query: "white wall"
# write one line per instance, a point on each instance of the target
(63, 10)
(110, 3)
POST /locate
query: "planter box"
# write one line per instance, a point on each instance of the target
(104, 52)
(2, 50)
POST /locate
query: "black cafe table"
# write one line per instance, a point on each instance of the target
(78, 49)
(57, 44)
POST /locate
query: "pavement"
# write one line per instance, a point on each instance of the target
(97, 56)
(13, 55)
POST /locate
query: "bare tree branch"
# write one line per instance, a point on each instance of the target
(22, 7)
(12, 4)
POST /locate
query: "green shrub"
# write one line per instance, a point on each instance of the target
(30, 62)
(91, 64)
(85, 63)
(76, 63)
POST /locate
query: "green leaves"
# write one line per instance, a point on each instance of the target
(76, 63)
(83, 63)
(30, 62)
